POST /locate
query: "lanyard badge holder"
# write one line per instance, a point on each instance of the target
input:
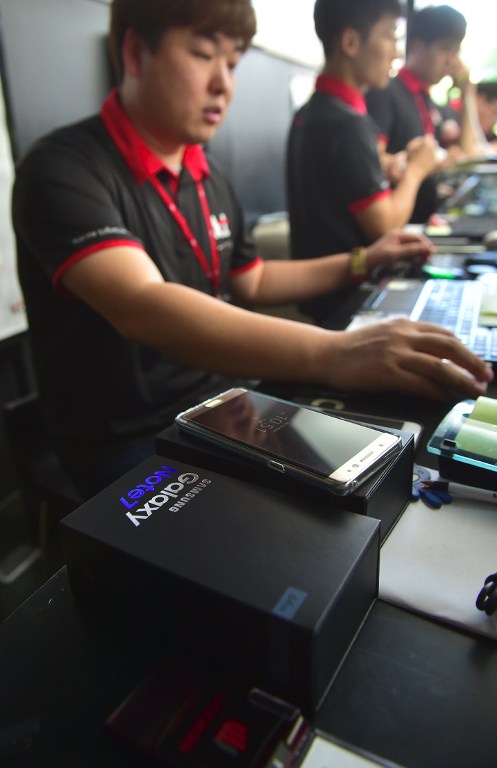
(465, 442)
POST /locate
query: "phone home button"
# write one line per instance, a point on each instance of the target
(276, 465)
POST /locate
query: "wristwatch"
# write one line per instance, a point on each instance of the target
(358, 264)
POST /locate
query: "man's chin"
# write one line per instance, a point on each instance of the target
(380, 83)
(201, 136)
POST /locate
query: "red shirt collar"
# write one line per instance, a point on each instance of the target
(412, 81)
(142, 161)
(343, 91)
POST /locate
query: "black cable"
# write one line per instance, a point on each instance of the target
(487, 599)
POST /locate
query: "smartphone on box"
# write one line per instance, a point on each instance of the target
(330, 406)
(290, 438)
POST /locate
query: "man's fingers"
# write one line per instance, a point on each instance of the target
(444, 347)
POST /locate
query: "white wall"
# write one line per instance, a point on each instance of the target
(286, 27)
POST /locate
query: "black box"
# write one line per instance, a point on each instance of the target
(274, 583)
(384, 496)
(467, 474)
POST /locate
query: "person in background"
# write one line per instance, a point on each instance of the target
(132, 250)
(486, 103)
(404, 111)
(338, 196)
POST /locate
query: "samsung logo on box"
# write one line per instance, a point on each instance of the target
(165, 495)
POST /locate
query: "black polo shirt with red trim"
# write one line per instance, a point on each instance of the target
(333, 171)
(402, 111)
(91, 186)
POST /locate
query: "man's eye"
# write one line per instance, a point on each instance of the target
(207, 56)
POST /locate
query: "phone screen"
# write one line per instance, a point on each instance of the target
(315, 441)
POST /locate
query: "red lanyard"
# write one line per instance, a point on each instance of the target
(210, 268)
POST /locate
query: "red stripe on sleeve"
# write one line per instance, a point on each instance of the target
(82, 254)
(361, 205)
(246, 267)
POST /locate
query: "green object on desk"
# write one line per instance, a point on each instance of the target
(478, 432)
(444, 273)
(468, 434)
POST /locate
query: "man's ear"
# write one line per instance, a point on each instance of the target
(132, 53)
(417, 49)
(350, 42)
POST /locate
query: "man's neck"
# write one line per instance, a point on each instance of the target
(170, 152)
(416, 71)
(342, 71)
(172, 160)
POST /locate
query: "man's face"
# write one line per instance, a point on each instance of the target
(183, 90)
(487, 112)
(376, 55)
(434, 61)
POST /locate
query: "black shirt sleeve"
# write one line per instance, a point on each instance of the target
(62, 205)
(355, 159)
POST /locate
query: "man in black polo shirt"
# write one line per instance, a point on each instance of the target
(404, 110)
(338, 195)
(130, 240)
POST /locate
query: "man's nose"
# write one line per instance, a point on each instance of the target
(222, 77)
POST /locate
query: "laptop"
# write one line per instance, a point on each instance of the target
(471, 211)
(466, 307)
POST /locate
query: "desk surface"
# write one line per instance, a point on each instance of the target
(414, 691)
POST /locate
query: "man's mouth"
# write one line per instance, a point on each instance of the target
(213, 115)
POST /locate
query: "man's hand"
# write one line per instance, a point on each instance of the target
(398, 246)
(394, 166)
(422, 155)
(420, 359)
(459, 72)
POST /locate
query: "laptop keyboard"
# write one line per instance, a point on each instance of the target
(461, 306)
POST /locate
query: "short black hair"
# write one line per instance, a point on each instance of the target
(488, 89)
(151, 18)
(441, 22)
(331, 17)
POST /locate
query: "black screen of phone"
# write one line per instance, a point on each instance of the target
(312, 440)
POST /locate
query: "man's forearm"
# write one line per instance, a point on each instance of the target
(282, 281)
(210, 334)
(472, 140)
(404, 195)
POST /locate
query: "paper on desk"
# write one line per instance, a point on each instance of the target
(436, 560)
(324, 753)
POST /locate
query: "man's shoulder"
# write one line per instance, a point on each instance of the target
(382, 95)
(395, 96)
(82, 138)
(216, 168)
(323, 109)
